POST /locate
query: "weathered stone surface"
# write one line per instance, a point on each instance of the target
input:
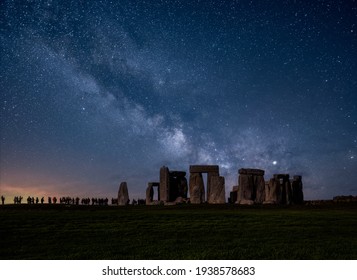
(149, 194)
(197, 190)
(259, 187)
(251, 171)
(164, 184)
(278, 190)
(245, 188)
(123, 195)
(288, 192)
(212, 178)
(251, 186)
(217, 194)
(204, 169)
(183, 188)
(297, 192)
(271, 189)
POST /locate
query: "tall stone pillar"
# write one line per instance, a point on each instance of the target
(217, 194)
(259, 183)
(123, 195)
(164, 184)
(210, 186)
(251, 186)
(197, 189)
(297, 193)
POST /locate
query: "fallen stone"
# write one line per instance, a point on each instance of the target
(245, 202)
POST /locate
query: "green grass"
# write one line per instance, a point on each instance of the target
(178, 232)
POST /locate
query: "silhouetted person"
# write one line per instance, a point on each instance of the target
(49, 200)
(2, 200)
(37, 200)
(42, 200)
(54, 200)
(29, 200)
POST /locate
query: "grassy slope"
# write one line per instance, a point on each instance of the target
(178, 232)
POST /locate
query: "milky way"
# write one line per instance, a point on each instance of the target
(97, 93)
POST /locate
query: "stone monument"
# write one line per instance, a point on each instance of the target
(123, 195)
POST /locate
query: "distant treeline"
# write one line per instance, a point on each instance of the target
(67, 200)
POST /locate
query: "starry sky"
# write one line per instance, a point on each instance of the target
(94, 93)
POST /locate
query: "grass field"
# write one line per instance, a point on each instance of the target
(178, 232)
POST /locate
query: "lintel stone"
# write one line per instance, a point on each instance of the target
(251, 171)
(204, 169)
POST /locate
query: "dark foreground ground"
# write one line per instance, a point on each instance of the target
(178, 232)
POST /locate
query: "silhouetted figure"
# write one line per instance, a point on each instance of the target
(37, 200)
(49, 200)
(54, 200)
(29, 200)
(17, 199)
(2, 200)
(141, 201)
(42, 200)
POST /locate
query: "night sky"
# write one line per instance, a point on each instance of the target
(94, 93)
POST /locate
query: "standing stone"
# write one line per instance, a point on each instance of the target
(271, 192)
(197, 190)
(279, 190)
(245, 188)
(183, 188)
(217, 194)
(123, 195)
(233, 195)
(259, 184)
(251, 186)
(288, 192)
(297, 193)
(164, 184)
(149, 195)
